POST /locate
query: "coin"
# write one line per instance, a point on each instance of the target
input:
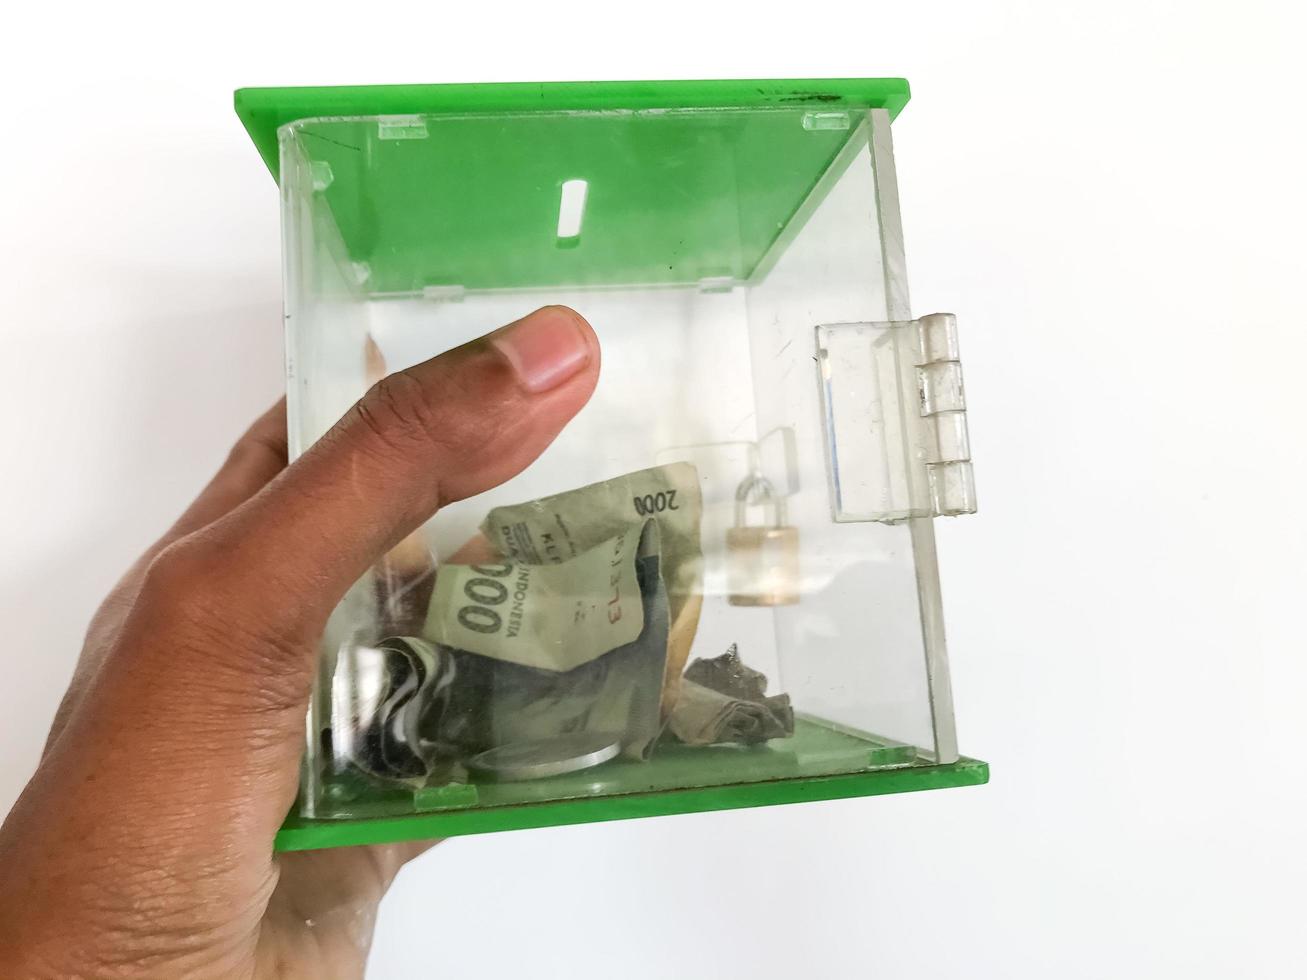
(545, 757)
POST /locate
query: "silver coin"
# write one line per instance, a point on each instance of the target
(545, 757)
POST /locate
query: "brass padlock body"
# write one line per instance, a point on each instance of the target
(762, 562)
(763, 567)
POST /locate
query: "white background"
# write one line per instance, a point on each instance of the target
(1111, 197)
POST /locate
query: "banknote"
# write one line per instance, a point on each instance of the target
(703, 716)
(495, 701)
(553, 617)
(724, 700)
(559, 528)
(729, 675)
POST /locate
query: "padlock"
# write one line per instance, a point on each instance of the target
(762, 562)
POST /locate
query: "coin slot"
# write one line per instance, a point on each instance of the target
(571, 211)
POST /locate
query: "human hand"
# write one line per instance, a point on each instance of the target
(142, 847)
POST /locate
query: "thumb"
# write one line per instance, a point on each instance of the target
(221, 645)
(444, 430)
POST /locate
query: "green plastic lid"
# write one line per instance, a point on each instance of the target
(673, 198)
(264, 110)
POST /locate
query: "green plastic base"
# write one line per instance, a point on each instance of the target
(820, 762)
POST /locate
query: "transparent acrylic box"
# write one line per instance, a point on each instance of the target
(736, 247)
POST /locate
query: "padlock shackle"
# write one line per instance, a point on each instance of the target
(756, 483)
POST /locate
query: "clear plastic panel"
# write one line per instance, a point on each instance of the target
(706, 248)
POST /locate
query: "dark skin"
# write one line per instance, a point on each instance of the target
(142, 847)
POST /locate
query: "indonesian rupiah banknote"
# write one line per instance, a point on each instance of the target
(557, 528)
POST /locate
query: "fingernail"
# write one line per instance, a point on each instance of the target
(545, 348)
